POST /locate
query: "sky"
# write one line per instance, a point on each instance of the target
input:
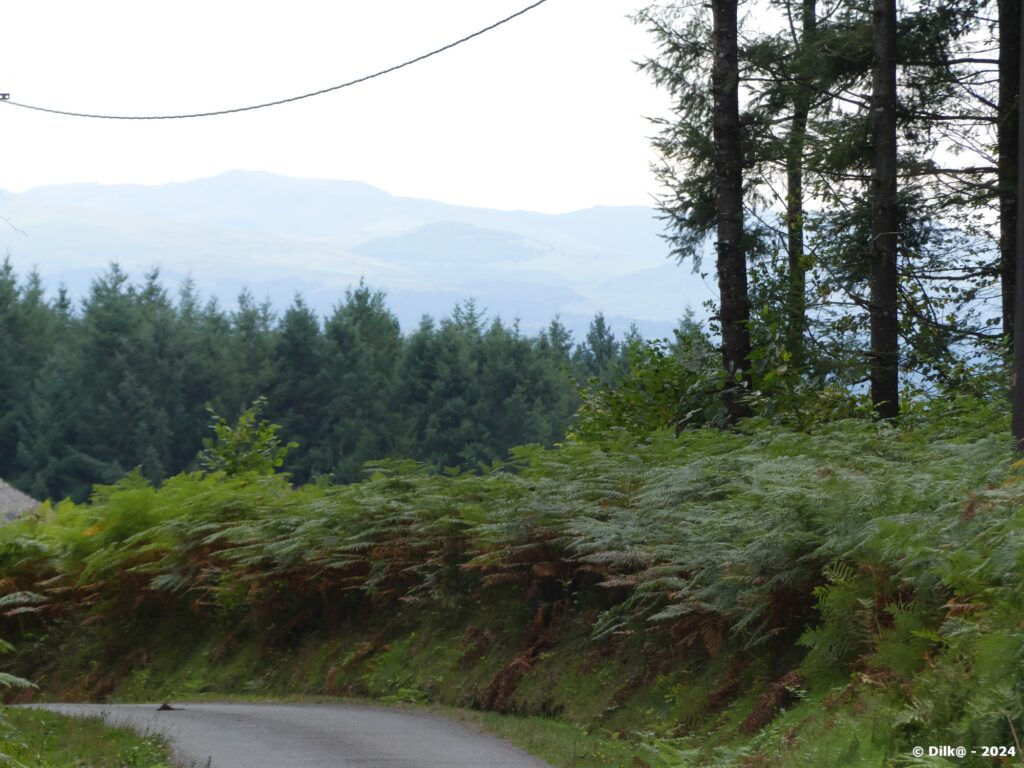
(546, 113)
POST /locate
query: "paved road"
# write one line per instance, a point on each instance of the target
(310, 736)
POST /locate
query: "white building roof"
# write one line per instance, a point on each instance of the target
(13, 502)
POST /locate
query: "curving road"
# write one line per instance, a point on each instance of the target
(310, 736)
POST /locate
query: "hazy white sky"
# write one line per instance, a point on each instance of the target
(546, 113)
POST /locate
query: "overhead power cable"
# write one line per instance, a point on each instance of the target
(310, 95)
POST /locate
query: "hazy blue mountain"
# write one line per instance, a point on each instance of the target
(278, 236)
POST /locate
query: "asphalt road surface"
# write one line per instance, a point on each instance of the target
(310, 736)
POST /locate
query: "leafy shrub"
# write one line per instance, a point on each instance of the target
(251, 446)
(665, 384)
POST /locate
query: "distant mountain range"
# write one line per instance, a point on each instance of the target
(280, 236)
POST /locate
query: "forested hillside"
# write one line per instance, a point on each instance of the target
(123, 381)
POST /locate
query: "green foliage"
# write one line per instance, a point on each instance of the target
(856, 532)
(862, 558)
(806, 96)
(35, 739)
(846, 606)
(119, 382)
(250, 446)
(664, 384)
(13, 604)
(785, 392)
(894, 554)
(677, 385)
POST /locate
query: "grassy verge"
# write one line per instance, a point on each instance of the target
(33, 739)
(563, 745)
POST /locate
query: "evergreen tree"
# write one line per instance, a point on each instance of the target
(884, 216)
(28, 330)
(554, 349)
(734, 302)
(52, 458)
(511, 391)
(125, 383)
(1008, 133)
(452, 434)
(104, 359)
(1017, 391)
(251, 350)
(597, 356)
(359, 420)
(299, 392)
(201, 373)
(9, 385)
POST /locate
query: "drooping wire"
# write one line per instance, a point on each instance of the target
(310, 95)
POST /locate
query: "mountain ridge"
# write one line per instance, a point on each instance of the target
(277, 235)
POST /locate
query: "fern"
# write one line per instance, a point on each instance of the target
(894, 550)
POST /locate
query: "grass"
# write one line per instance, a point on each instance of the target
(564, 745)
(34, 739)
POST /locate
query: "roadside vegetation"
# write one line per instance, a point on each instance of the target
(34, 739)
(828, 597)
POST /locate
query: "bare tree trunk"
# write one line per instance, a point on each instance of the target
(796, 298)
(732, 261)
(884, 356)
(1009, 130)
(1017, 425)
